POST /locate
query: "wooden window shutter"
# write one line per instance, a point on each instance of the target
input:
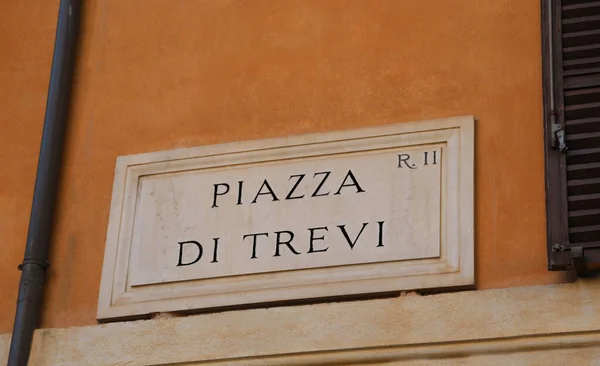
(571, 92)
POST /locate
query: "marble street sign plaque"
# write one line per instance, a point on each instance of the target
(371, 210)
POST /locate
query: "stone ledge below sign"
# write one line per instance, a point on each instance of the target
(365, 211)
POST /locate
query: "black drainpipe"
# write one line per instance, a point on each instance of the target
(35, 263)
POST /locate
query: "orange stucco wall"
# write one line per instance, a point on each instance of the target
(157, 75)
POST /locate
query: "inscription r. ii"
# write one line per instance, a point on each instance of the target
(429, 158)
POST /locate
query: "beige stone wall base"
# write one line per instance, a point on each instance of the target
(549, 325)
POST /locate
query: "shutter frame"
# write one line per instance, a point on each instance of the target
(571, 211)
(555, 161)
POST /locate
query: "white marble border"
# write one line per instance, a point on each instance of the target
(455, 267)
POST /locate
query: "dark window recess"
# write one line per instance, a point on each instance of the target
(571, 85)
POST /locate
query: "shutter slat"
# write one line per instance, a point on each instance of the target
(581, 182)
(583, 156)
(583, 121)
(581, 128)
(578, 4)
(581, 96)
(582, 80)
(585, 229)
(580, 190)
(583, 152)
(582, 61)
(581, 38)
(585, 197)
(581, 136)
(583, 174)
(581, 187)
(583, 101)
(585, 218)
(579, 20)
(589, 244)
(581, 24)
(584, 202)
(580, 9)
(584, 234)
(581, 54)
(583, 166)
(575, 72)
(575, 2)
(584, 213)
